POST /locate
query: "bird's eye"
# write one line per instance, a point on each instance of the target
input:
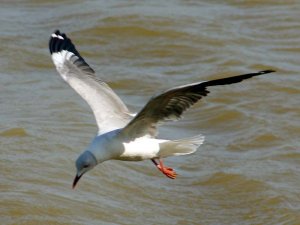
(85, 166)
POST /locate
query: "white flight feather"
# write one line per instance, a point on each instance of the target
(109, 110)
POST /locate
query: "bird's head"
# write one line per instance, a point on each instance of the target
(85, 162)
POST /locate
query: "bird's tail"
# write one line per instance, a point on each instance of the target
(180, 147)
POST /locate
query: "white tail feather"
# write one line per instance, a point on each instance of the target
(180, 147)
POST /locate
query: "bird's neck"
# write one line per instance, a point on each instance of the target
(106, 146)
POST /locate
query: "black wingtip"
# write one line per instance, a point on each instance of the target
(57, 32)
(236, 79)
(59, 42)
(267, 71)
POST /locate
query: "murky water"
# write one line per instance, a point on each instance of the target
(246, 172)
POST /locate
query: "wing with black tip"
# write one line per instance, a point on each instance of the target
(109, 110)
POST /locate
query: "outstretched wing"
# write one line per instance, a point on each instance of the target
(109, 110)
(172, 103)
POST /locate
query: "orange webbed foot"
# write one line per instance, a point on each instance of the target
(168, 171)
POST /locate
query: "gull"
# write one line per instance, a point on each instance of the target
(123, 135)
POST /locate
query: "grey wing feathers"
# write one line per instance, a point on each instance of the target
(109, 110)
(173, 102)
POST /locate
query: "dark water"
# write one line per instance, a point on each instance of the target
(246, 172)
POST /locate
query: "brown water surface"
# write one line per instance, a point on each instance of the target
(247, 171)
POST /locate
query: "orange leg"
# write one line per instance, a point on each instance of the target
(169, 172)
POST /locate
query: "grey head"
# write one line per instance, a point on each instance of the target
(85, 162)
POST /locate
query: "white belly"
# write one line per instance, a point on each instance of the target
(141, 149)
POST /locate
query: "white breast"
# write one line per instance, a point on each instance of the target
(141, 149)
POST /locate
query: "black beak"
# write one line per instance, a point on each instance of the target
(76, 179)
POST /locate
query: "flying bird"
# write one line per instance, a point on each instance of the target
(123, 135)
